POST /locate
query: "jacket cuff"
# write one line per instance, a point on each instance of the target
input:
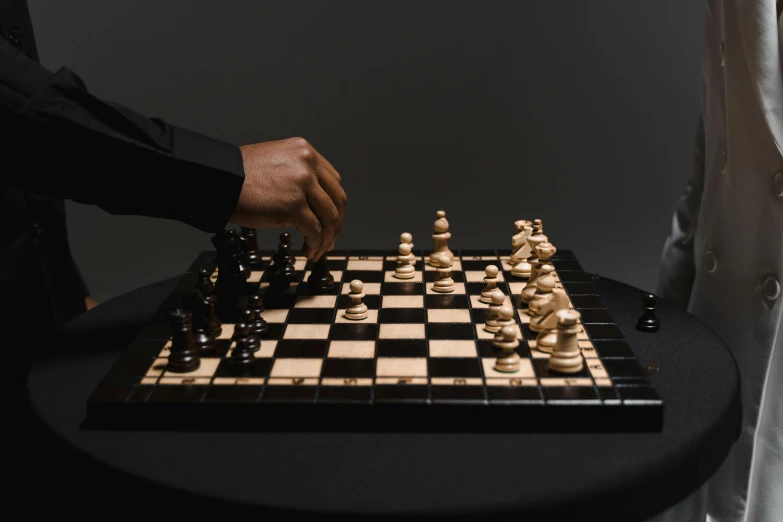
(217, 181)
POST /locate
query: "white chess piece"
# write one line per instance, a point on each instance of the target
(492, 325)
(505, 318)
(491, 283)
(567, 357)
(441, 236)
(509, 360)
(357, 310)
(404, 268)
(444, 284)
(407, 238)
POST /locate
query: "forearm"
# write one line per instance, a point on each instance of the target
(60, 140)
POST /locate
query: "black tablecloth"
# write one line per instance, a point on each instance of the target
(542, 476)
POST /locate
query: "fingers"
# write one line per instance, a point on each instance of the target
(328, 167)
(326, 211)
(310, 228)
(330, 183)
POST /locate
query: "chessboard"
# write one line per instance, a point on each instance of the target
(419, 359)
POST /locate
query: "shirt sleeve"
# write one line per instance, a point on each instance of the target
(60, 140)
(677, 267)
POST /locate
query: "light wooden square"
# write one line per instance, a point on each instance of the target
(206, 369)
(369, 288)
(337, 274)
(307, 331)
(227, 331)
(157, 367)
(316, 301)
(459, 289)
(515, 287)
(401, 367)
(596, 368)
(566, 381)
(525, 369)
(365, 258)
(442, 348)
(448, 315)
(355, 264)
(275, 315)
(352, 349)
(372, 317)
(300, 263)
(335, 258)
(183, 378)
(255, 276)
(389, 277)
(299, 367)
(402, 331)
(403, 301)
(477, 276)
(481, 333)
(603, 382)
(239, 381)
(480, 258)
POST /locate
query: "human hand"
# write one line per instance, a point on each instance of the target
(289, 184)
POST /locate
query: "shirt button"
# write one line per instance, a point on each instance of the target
(777, 184)
(710, 262)
(771, 288)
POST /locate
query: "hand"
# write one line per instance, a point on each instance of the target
(289, 184)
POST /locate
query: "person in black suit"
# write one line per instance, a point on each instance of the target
(60, 142)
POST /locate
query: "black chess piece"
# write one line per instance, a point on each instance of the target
(248, 316)
(259, 324)
(285, 238)
(184, 356)
(233, 272)
(288, 268)
(246, 344)
(320, 279)
(201, 302)
(648, 322)
(252, 254)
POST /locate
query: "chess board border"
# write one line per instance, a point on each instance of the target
(629, 405)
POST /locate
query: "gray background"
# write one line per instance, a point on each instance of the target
(578, 113)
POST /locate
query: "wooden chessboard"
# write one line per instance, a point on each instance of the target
(420, 361)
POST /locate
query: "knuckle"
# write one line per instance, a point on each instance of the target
(300, 142)
(307, 154)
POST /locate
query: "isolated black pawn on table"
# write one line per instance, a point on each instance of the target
(648, 322)
(184, 355)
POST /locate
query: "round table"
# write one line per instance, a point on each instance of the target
(539, 476)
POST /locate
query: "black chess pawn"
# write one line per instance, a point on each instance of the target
(256, 304)
(202, 303)
(648, 322)
(289, 264)
(245, 344)
(248, 317)
(184, 355)
(253, 255)
(320, 279)
(285, 238)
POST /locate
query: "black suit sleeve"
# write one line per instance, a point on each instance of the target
(60, 140)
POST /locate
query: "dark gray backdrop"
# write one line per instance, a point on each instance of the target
(578, 113)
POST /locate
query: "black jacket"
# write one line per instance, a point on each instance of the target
(57, 142)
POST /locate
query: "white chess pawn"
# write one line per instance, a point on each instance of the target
(509, 360)
(357, 310)
(444, 284)
(505, 318)
(407, 238)
(404, 268)
(567, 357)
(491, 283)
(492, 325)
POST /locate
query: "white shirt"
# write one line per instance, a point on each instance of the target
(724, 257)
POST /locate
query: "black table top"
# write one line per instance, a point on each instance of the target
(543, 476)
